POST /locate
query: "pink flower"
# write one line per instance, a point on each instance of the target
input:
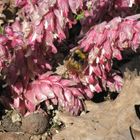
(114, 37)
(28, 46)
(56, 91)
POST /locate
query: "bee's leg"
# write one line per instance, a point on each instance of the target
(65, 74)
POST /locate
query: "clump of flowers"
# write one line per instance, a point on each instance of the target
(38, 32)
(104, 42)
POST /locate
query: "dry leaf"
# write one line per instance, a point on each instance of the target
(110, 120)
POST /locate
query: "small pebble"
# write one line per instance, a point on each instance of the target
(36, 123)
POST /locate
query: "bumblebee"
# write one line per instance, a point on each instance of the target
(75, 62)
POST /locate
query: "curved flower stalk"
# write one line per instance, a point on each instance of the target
(103, 43)
(47, 21)
(56, 91)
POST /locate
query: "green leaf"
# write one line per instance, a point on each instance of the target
(80, 16)
(1, 30)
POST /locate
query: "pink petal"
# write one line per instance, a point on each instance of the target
(58, 91)
(66, 82)
(76, 92)
(88, 93)
(31, 107)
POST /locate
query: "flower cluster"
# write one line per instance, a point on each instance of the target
(99, 10)
(56, 91)
(47, 20)
(29, 44)
(104, 42)
(26, 51)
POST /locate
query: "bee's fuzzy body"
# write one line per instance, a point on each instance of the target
(76, 61)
